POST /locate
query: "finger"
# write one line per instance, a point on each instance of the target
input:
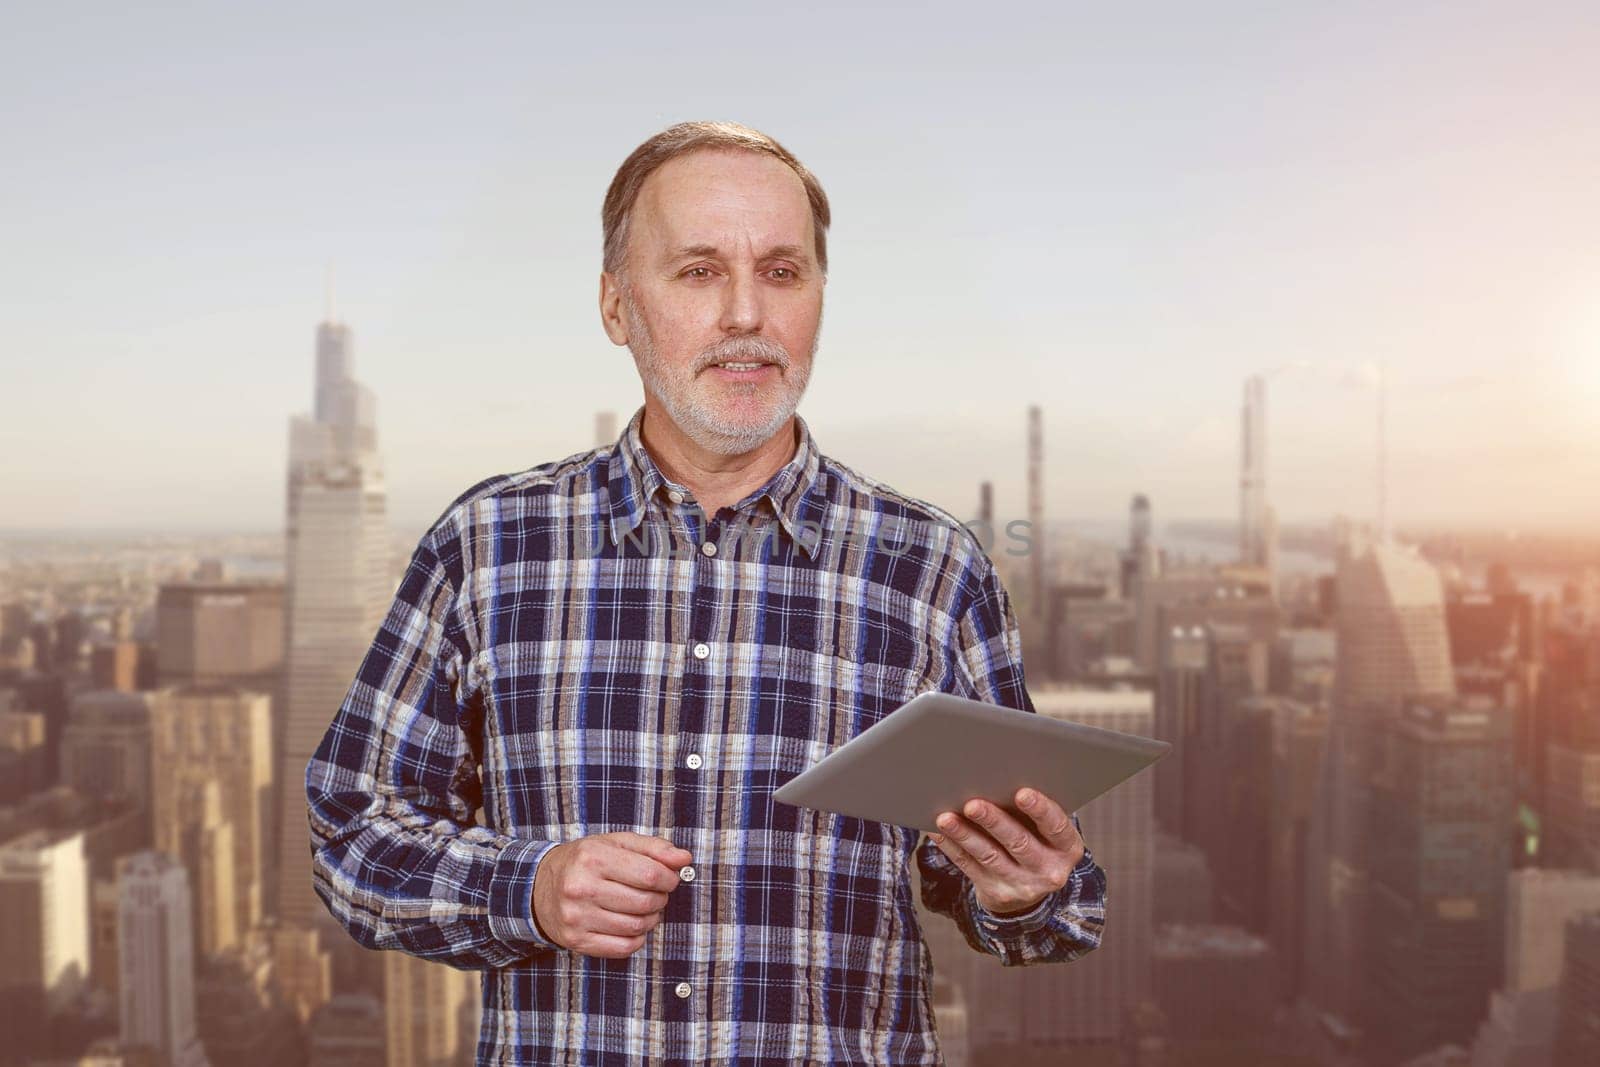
(637, 871)
(617, 924)
(1054, 824)
(977, 844)
(659, 849)
(610, 947)
(1018, 840)
(618, 896)
(960, 857)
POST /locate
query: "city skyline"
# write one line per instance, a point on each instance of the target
(1255, 678)
(1136, 237)
(1278, 327)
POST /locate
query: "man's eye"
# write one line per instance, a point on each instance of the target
(697, 273)
(784, 274)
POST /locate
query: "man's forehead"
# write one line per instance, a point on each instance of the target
(726, 202)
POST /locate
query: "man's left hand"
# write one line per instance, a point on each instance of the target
(1013, 865)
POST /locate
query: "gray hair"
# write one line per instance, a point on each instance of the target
(680, 140)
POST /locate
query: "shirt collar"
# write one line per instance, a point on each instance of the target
(634, 479)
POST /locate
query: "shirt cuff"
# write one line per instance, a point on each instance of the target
(511, 894)
(1002, 927)
(1005, 927)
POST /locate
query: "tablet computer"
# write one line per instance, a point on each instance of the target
(939, 750)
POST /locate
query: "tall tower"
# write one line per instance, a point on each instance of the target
(1140, 562)
(1383, 455)
(1392, 638)
(1253, 550)
(1037, 593)
(157, 956)
(1393, 646)
(338, 586)
(1138, 523)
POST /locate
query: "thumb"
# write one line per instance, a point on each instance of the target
(657, 848)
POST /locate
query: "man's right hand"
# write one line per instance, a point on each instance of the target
(600, 895)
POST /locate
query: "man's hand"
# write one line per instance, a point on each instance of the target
(600, 895)
(1012, 865)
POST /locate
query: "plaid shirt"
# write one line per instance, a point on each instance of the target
(577, 649)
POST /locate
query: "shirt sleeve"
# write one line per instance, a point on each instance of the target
(1066, 924)
(393, 792)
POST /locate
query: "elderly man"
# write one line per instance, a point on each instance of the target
(620, 655)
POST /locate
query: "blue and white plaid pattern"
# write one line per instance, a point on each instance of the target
(559, 646)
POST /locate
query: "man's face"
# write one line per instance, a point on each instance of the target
(721, 268)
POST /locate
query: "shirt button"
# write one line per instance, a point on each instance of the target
(682, 990)
(687, 874)
(709, 548)
(675, 496)
(693, 760)
(702, 650)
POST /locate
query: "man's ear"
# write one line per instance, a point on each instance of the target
(611, 313)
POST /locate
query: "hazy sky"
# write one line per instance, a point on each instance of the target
(1117, 214)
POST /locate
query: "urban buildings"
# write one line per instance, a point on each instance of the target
(157, 960)
(338, 586)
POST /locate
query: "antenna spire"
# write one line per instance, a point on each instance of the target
(1383, 453)
(328, 310)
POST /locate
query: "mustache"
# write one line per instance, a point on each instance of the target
(744, 350)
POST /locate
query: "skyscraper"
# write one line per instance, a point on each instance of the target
(157, 959)
(92, 832)
(1442, 799)
(105, 749)
(206, 850)
(1393, 639)
(217, 632)
(1299, 734)
(338, 585)
(44, 936)
(1521, 1027)
(1578, 1024)
(1037, 571)
(1392, 645)
(1083, 1002)
(215, 738)
(1213, 982)
(1253, 543)
(1140, 561)
(44, 920)
(426, 1006)
(24, 759)
(1572, 806)
(1211, 636)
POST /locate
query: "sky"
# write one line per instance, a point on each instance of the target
(1116, 214)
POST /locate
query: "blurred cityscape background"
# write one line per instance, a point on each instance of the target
(1280, 329)
(1377, 839)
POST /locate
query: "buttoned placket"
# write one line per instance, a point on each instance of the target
(686, 981)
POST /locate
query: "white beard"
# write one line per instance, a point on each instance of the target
(712, 422)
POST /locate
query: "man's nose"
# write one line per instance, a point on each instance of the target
(741, 305)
